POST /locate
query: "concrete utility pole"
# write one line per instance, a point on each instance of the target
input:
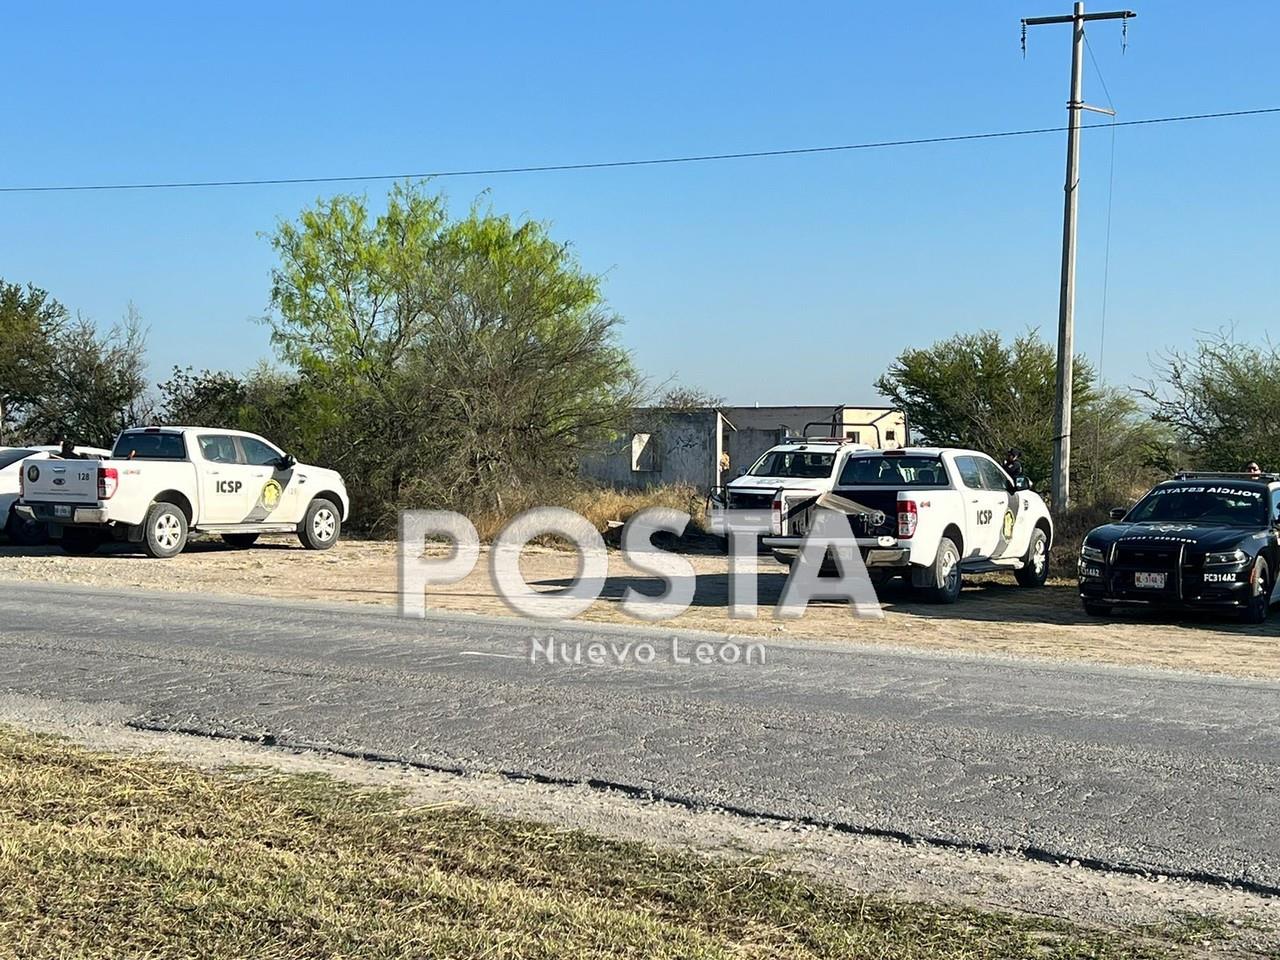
(1061, 490)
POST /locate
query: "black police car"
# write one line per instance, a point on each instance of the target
(1199, 541)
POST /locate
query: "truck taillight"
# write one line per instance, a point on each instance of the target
(775, 518)
(108, 482)
(907, 519)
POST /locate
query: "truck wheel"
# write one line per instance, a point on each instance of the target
(241, 541)
(80, 542)
(1097, 609)
(322, 525)
(1035, 570)
(164, 531)
(23, 532)
(1259, 603)
(941, 582)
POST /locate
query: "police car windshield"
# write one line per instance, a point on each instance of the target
(1228, 504)
(793, 463)
(9, 457)
(893, 472)
(150, 446)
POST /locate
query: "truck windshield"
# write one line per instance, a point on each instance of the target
(893, 472)
(1238, 506)
(9, 457)
(793, 463)
(150, 446)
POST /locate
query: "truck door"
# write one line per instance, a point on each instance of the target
(983, 514)
(1003, 503)
(224, 483)
(276, 494)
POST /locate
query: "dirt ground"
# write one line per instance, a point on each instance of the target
(993, 616)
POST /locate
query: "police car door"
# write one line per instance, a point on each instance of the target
(224, 487)
(981, 522)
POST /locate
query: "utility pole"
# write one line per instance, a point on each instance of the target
(1061, 490)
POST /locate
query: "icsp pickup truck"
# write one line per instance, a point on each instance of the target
(162, 483)
(930, 514)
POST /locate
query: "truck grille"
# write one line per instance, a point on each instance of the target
(749, 501)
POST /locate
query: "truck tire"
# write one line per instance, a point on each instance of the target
(1258, 605)
(23, 532)
(322, 525)
(1035, 569)
(164, 531)
(941, 582)
(79, 541)
(241, 541)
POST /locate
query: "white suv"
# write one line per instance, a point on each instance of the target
(800, 465)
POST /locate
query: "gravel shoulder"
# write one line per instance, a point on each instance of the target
(994, 616)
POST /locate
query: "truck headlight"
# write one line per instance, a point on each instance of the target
(1092, 553)
(1232, 558)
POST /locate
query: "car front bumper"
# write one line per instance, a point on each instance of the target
(1190, 590)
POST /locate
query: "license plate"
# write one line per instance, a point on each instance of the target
(1150, 581)
(61, 511)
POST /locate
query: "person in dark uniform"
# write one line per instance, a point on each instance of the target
(1013, 463)
(1252, 469)
(68, 451)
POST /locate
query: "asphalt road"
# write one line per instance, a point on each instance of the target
(1169, 773)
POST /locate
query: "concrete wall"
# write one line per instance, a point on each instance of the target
(660, 448)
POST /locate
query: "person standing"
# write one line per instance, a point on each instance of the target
(1013, 463)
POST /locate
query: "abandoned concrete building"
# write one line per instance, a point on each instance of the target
(709, 446)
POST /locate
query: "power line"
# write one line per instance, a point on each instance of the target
(612, 164)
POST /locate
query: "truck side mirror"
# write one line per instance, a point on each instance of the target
(1118, 513)
(1022, 483)
(287, 462)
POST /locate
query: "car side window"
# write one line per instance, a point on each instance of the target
(992, 476)
(257, 453)
(970, 473)
(218, 448)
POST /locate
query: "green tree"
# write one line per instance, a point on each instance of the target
(208, 398)
(96, 387)
(455, 360)
(1220, 399)
(977, 391)
(30, 323)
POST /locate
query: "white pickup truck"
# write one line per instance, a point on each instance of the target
(161, 483)
(803, 466)
(931, 514)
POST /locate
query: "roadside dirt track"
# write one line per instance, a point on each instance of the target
(993, 616)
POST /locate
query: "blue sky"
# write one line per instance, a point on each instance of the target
(771, 281)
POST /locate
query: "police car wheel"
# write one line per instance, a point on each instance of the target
(1259, 603)
(240, 541)
(164, 531)
(1035, 570)
(322, 525)
(942, 581)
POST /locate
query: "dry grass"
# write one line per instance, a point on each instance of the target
(108, 856)
(600, 505)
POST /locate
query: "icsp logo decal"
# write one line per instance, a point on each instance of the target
(228, 486)
(1008, 524)
(271, 494)
(33, 473)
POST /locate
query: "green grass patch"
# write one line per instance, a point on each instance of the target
(106, 855)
